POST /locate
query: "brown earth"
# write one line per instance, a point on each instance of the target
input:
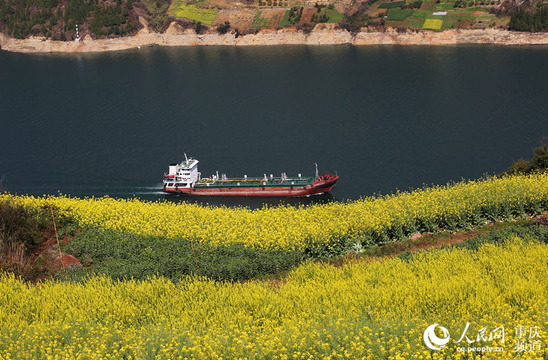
(306, 17)
(274, 16)
(219, 4)
(239, 19)
(377, 13)
(57, 260)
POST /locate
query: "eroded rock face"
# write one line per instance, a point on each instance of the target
(451, 37)
(145, 29)
(175, 29)
(176, 36)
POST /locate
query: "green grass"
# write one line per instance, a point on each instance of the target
(414, 22)
(124, 256)
(419, 17)
(399, 14)
(472, 18)
(334, 16)
(463, 12)
(391, 5)
(444, 6)
(450, 20)
(450, 24)
(427, 15)
(191, 12)
(286, 21)
(428, 6)
(259, 22)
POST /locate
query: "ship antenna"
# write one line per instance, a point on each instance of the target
(186, 159)
(316, 170)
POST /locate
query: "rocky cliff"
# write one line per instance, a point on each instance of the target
(324, 36)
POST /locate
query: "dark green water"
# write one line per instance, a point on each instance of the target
(383, 117)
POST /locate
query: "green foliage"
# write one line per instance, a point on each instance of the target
(499, 237)
(292, 16)
(157, 13)
(391, 5)
(223, 29)
(320, 18)
(540, 158)
(399, 14)
(353, 23)
(534, 20)
(46, 17)
(20, 237)
(259, 21)
(327, 15)
(414, 5)
(539, 162)
(134, 256)
(328, 248)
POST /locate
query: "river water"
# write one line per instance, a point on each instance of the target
(382, 117)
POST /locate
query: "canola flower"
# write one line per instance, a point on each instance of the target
(182, 9)
(367, 221)
(362, 310)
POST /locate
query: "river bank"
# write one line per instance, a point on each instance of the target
(326, 36)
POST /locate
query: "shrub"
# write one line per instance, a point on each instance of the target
(20, 237)
(539, 162)
(124, 256)
(223, 29)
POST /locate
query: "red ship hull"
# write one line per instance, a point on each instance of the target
(321, 185)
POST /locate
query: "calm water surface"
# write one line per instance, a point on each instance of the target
(382, 117)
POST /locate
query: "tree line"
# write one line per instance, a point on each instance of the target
(57, 19)
(530, 19)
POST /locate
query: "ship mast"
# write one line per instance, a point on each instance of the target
(316, 170)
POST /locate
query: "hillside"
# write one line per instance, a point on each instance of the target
(57, 19)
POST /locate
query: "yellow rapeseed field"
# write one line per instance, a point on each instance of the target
(493, 298)
(182, 9)
(434, 24)
(367, 221)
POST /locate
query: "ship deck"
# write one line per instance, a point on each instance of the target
(254, 182)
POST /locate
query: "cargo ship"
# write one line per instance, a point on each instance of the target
(184, 178)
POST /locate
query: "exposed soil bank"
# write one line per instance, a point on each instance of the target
(327, 36)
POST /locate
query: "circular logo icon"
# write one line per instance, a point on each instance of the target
(434, 342)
